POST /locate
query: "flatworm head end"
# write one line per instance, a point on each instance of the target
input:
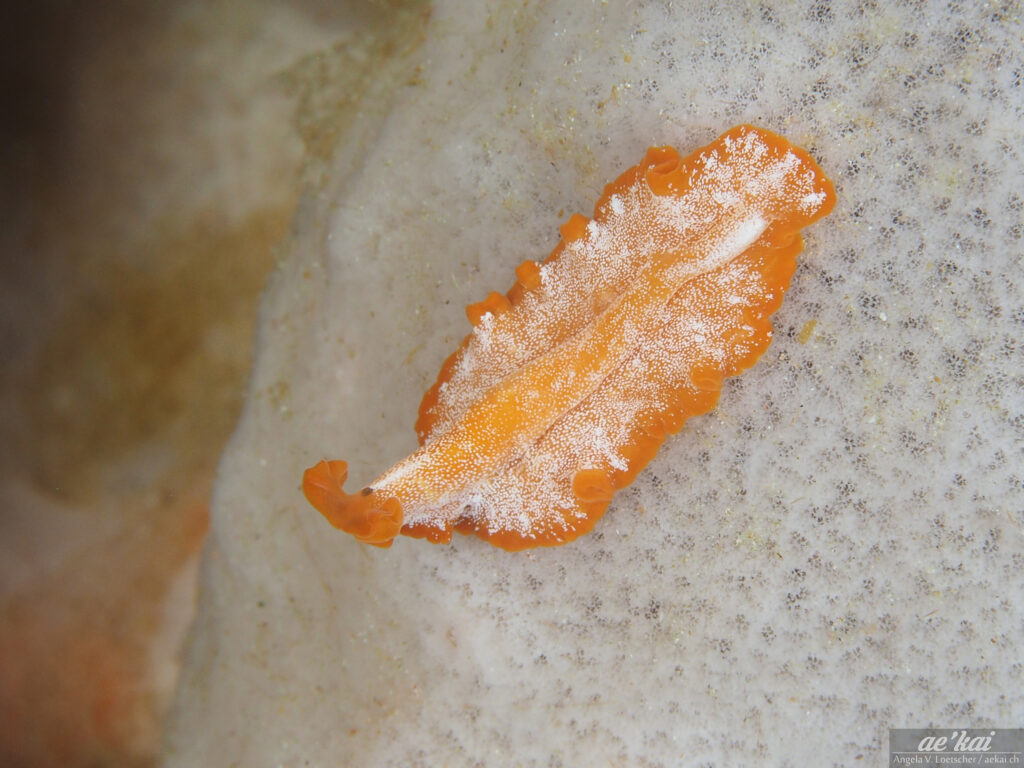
(364, 514)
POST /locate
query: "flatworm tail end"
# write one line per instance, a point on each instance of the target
(365, 515)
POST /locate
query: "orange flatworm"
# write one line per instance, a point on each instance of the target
(569, 383)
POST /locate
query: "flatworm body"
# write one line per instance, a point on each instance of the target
(569, 383)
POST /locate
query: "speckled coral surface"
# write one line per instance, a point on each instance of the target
(836, 550)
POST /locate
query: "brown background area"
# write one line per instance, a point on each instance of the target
(152, 157)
